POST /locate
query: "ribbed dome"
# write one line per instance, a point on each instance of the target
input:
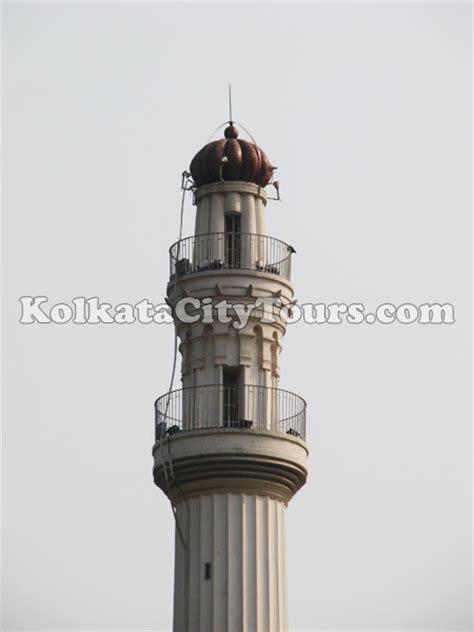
(231, 159)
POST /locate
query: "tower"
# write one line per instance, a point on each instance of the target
(230, 448)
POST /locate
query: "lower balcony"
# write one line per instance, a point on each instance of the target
(244, 407)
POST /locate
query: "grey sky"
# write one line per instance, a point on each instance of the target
(365, 108)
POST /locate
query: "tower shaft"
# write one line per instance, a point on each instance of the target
(230, 448)
(232, 576)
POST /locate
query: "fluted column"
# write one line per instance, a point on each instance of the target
(260, 229)
(203, 216)
(230, 576)
(216, 226)
(249, 230)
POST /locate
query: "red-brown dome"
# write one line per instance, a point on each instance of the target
(231, 159)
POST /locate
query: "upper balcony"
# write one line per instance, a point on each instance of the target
(230, 251)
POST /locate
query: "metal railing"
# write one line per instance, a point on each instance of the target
(230, 251)
(219, 406)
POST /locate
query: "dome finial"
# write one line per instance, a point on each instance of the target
(231, 131)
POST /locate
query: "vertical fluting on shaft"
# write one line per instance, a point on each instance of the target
(231, 575)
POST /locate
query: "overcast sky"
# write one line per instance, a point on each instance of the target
(365, 108)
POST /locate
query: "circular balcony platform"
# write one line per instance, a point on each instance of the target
(229, 460)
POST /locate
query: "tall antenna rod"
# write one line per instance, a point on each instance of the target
(230, 103)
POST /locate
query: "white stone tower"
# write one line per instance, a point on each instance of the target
(230, 448)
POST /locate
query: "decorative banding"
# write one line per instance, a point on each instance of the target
(257, 474)
(235, 186)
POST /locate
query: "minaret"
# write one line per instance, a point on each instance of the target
(230, 448)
